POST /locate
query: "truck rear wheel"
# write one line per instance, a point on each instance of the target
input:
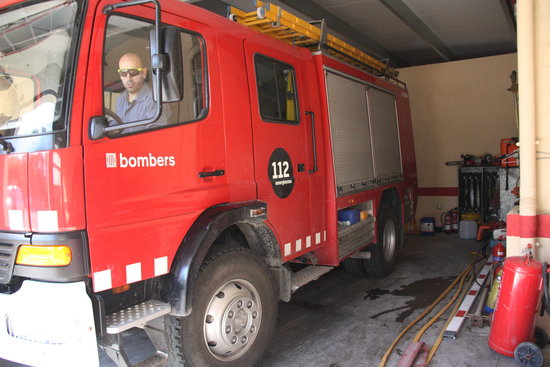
(384, 253)
(234, 312)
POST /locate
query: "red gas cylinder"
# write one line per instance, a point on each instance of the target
(517, 305)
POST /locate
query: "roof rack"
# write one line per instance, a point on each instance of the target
(278, 23)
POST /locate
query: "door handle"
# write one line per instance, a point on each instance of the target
(218, 172)
(314, 144)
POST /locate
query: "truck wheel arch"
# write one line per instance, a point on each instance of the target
(203, 235)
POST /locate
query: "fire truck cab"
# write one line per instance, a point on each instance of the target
(187, 192)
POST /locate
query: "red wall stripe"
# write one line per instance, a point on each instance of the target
(438, 191)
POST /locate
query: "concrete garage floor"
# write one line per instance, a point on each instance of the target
(345, 321)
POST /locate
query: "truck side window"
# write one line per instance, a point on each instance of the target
(276, 90)
(127, 81)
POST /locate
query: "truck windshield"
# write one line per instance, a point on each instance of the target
(34, 44)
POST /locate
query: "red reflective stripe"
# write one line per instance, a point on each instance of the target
(461, 313)
(544, 226)
(512, 225)
(528, 226)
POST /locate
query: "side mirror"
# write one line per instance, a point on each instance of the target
(97, 127)
(170, 62)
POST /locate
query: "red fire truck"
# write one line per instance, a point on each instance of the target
(263, 166)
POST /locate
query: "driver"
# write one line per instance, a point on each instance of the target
(136, 102)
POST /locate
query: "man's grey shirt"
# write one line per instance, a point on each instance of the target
(143, 107)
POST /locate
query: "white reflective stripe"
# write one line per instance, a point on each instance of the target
(299, 245)
(456, 323)
(102, 280)
(58, 333)
(15, 220)
(47, 220)
(288, 249)
(133, 273)
(161, 265)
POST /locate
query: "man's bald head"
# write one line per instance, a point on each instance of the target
(131, 64)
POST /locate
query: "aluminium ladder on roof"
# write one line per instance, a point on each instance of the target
(278, 23)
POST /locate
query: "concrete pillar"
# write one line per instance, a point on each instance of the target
(542, 93)
(530, 223)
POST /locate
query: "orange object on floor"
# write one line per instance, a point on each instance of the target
(481, 229)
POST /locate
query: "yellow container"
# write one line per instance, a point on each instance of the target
(471, 216)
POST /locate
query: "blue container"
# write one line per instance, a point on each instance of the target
(349, 216)
(427, 226)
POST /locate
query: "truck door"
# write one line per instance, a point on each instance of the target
(143, 184)
(282, 135)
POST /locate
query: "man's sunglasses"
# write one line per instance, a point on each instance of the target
(132, 72)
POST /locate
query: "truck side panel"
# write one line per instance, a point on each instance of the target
(380, 120)
(385, 135)
(351, 135)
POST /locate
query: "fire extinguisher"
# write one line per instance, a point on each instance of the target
(493, 293)
(446, 220)
(499, 251)
(454, 220)
(513, 328)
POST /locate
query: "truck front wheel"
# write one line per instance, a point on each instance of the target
(233, 314)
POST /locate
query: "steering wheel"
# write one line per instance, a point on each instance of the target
(114, 116)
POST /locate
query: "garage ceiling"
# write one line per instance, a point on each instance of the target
(408, 32)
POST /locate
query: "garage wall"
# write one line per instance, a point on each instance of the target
(457, 107)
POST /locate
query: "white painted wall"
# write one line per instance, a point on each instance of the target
(457, 107)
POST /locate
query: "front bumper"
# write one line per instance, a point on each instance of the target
(48, 324)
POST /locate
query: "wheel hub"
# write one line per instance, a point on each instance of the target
(390, 239)
(232, 320)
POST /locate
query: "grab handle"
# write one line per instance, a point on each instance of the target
(314, 143)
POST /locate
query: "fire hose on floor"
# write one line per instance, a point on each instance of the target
(417, 348)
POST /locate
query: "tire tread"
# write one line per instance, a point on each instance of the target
(377, 266)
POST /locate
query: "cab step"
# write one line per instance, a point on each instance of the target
(308, 274)
(135, 316)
